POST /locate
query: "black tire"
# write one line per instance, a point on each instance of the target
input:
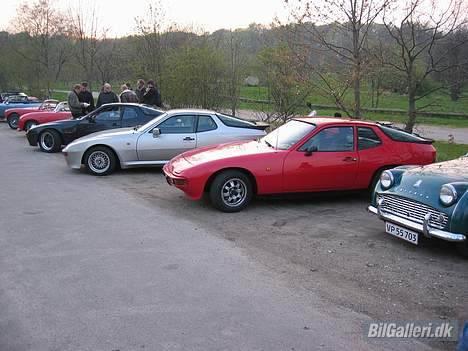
(100, 161)
(13, 120)
(463, 248)
(231, 191)
(50, 141)
(29, 124)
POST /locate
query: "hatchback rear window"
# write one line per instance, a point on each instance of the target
(235, 122)
(401, 135)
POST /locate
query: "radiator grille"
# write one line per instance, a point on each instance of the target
(412, 210)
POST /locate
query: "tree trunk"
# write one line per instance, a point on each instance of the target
(357, 94)
(411, 100)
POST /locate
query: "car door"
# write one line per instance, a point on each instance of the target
(108, 117)
(207, 131)
(327, 161)
(177, 135)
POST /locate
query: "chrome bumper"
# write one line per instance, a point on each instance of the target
(424, 228)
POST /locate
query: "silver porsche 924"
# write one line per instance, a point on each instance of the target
(159, 140)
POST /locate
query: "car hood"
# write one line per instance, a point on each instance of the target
(422, 184)
(106, 134)
(226, 151)
(457, 168)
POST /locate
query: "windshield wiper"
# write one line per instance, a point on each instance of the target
(269, 144)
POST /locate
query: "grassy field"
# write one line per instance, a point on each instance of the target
(442, 103)
(446, 151)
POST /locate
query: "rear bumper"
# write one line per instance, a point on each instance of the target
(423, 228)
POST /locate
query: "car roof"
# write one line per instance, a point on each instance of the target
(333, 120)
(191, 110)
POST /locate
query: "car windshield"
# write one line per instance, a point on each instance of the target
(284, 137)
(152, 122)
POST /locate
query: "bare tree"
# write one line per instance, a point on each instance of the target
(152, 42)
(236, 63)
(47, 34)
(88, 36)
(339, 28)
(416, 35)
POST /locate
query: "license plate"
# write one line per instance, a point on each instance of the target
(402, 233)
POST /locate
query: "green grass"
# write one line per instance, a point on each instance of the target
(59, 96)
(446, 151)
(388, 100)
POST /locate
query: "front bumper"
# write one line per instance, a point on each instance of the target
(73, 159)
(32, 138)
(423, 228)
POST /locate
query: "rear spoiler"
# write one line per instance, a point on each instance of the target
(260, 125)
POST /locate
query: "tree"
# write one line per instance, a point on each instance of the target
(287, 83)
(416, 36)
(152, 41)
(195, 77)
(236, 62)
(343, 37)
(47, 36)
(88, 37)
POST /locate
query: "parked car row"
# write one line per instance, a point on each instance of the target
(231, 161)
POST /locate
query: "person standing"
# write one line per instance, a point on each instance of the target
(128, 95)
(86, 96)
(76, 107)
(152, 95)
(106, 96)
(140, 90)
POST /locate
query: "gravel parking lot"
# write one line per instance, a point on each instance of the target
(324, 247)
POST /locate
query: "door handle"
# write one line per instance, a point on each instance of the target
(350, 159)
(188, 139)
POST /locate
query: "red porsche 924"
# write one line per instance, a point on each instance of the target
(303, 155)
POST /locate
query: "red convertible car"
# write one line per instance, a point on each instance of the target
(61, 111)
(12, 115)
(303, 155)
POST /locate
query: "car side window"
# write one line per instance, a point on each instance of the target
(111, 114)
(333, 139)
(178, 125)
(367, 138)
(205, 124)
(129, 114)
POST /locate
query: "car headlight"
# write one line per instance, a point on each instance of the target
(387, 180)
(448, 195)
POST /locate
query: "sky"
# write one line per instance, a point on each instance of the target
(209, 15)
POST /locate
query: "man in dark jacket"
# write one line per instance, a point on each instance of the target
(76, 107)
(106, 96)
(140, 90)
(152, 95)
(86, 96)
(127, 95)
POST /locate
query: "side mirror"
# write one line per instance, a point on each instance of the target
(156, 132)
(310, 150)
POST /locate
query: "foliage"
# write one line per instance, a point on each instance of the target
(288, 85)
(194, 77)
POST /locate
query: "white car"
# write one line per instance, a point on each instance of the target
(159, 140)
